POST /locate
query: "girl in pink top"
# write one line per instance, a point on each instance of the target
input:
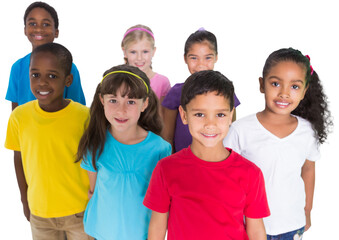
(138, 47)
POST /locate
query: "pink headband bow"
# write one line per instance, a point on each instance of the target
(138, 29)
(310, 63)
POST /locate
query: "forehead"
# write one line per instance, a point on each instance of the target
(209, 101)
(288, 69)
(144, 42)
(39, 13)
(204, 47)
(45, 60)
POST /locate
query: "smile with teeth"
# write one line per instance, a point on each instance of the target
(209, 135)
(282, 104)
(43, 92)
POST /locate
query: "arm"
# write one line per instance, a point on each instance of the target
(92, 180)
(308, 175)
(169, 117)
(20, 176)
(255, 229)
(157, 226)
(14, 105)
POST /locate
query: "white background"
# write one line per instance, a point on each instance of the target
(247, 31)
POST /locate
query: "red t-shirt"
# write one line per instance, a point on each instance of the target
(207, 200)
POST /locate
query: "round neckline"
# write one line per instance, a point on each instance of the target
(200, 161)
(123, 144)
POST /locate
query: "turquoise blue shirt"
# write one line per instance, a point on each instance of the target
(19, 89)
(115, 210)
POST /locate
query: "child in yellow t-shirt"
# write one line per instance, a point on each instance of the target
(44, 135)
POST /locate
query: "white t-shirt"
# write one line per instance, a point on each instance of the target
(280, 160)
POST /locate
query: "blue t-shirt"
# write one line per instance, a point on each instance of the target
(19, 89)
(115, 210)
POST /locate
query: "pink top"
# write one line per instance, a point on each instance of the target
(160, 85)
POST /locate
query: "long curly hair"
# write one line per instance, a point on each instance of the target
(314, 106)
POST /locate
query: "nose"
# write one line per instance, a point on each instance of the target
(139, 56)
(121, 108)
(42, 81)
(284, 92)
(201, 65)
(210, 123)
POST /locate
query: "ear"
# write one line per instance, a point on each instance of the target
(56, 33)
(262, 85)
(185, 59)
(231, 116)
(124, 51)
(101, 99)
(69, 80)
(25, 31)
(305, 90)
(154, 50)
(145, 105)
(183, 115)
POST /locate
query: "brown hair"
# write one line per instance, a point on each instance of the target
(94, 138)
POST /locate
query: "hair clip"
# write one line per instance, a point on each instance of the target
(310, 64)
(201, 29)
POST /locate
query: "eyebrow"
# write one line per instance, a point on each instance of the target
(189, 55)
(275, 77)
(217, 110)
(32, 19)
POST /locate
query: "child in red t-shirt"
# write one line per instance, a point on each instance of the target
(206, 191)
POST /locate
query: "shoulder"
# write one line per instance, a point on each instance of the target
(21, 62)
(159, 141)
(24, 109)
(175, 160)
(242, 163)
(160, 77)
(78, 108)
(244, 124)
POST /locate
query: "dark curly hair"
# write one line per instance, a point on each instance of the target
(314, 106)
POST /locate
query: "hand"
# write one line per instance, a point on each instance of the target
(90, 194)
(308, 220)
(27, 212)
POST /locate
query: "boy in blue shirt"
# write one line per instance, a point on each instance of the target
(41, 26)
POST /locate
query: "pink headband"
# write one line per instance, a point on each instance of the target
(138, 29)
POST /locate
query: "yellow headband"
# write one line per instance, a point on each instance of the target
(130, 73)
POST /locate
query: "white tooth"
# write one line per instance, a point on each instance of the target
(285, 104)
(44, 93)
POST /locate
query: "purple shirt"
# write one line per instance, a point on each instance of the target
(182, 137)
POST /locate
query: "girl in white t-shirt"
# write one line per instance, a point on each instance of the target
(138, 48)
(283, 140)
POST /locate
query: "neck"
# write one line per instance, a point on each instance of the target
(131, 136)
(217, 153)
(56, 107)
(272, 117)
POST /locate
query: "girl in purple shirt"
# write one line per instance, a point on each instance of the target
(201, 53)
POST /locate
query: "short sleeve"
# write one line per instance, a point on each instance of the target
(157, 196)
(167, 150)
(232, 140)
(74, 91)
(87, 164)
(12, 90)
(12, 137)
(313, 153)
(166, 87)
(173, 97)
(256, 200)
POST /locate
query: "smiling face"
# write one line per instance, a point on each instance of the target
(48, 80)
(200, 56)
(123, 112)
(284, 87)
(208, 117)
(40, 28)
(139, 54)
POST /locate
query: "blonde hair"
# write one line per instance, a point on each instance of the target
(136, 35)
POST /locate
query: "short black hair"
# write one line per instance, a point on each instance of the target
(204, 82)
(45, 6)
(63, 55)
(200, 36)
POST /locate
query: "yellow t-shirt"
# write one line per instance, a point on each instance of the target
(48, 143)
